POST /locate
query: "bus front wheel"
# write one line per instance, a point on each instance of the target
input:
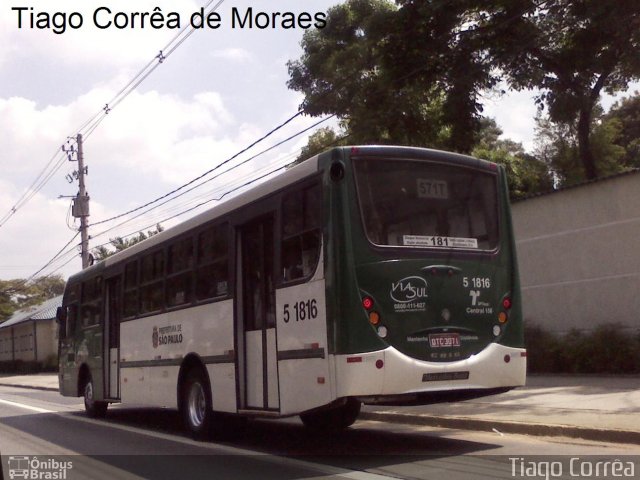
(196, 406)
(333, 419)
(93, 407)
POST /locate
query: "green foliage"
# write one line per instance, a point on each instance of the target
(119, 243)
(572, 51)
(319, 141)
(412, 73)
(17, 294)
(626, 117)
(557, 145)
(23, 367)
(608, 349)
(392, 76)
(526, 175)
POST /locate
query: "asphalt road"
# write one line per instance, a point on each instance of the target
(150, 443)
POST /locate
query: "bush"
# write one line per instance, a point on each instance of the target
(21, 367)
(609, 348)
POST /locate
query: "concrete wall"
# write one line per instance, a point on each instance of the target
(6, 346)
(579, 255)
(47, 338)
(18, 342)
(23, 337)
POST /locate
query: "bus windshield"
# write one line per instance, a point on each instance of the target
(422, 204)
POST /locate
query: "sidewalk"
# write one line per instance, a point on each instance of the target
(604, 408)
(589, 407)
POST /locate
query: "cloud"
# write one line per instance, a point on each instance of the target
(239, 55)
(150, 144)
(88, 44)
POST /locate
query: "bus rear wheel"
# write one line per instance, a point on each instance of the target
(93, 407)
(196, 406)
(333, 419)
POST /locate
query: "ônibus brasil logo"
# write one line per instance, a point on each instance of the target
(38, 468)
(409, 289)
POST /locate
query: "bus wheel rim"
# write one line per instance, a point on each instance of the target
(88, 393)
(196, 405)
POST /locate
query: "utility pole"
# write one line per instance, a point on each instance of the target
(80, 207)
(82, 194)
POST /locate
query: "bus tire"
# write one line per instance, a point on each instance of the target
(196, 405)
(93, 407)
(333, 419)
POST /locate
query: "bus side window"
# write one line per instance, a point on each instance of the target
(179, 272)
(66, 317)
(300, 233)
(91, 308)
(152, 282)
(131, 289)
(212, 271)
(71, 321)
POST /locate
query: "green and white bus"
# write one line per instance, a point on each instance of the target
(373, 274)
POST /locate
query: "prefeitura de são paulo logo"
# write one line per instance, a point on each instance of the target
(154, 337)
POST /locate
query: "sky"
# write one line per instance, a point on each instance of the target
(215, 94)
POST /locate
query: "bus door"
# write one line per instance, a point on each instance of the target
(113, 307)
(256, 319)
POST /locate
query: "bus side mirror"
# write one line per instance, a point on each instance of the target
(61, 315)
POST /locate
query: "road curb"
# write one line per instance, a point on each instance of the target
(537, 429)
(31, 387)
(602, 435)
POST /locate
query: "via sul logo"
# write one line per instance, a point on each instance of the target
(409, 289)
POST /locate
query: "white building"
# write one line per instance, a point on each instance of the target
(31, 335)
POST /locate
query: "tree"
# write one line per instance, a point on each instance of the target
(412, 73)
(119, 243)
(441, 47)
(319, 141)
(626, 116)
(17, 294)
(572, 50)
(391, 78)
(525, 174)
(557, 145)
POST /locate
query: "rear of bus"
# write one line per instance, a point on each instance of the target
(422, 285)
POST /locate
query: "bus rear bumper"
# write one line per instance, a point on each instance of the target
(390, 377)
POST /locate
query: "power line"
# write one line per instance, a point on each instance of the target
(53, 259)
(147, 70)
(192, 181)
(268, 171)
(39, 182)
(283, 163)
(90, 125)
(62, 253)
(216, 168)
(280, 163)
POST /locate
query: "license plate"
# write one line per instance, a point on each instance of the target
(444, 340)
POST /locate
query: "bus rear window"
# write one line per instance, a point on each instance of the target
(420, 204)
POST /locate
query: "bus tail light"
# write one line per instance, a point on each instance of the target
(374, 318)
(367, 303)
(506, 305)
